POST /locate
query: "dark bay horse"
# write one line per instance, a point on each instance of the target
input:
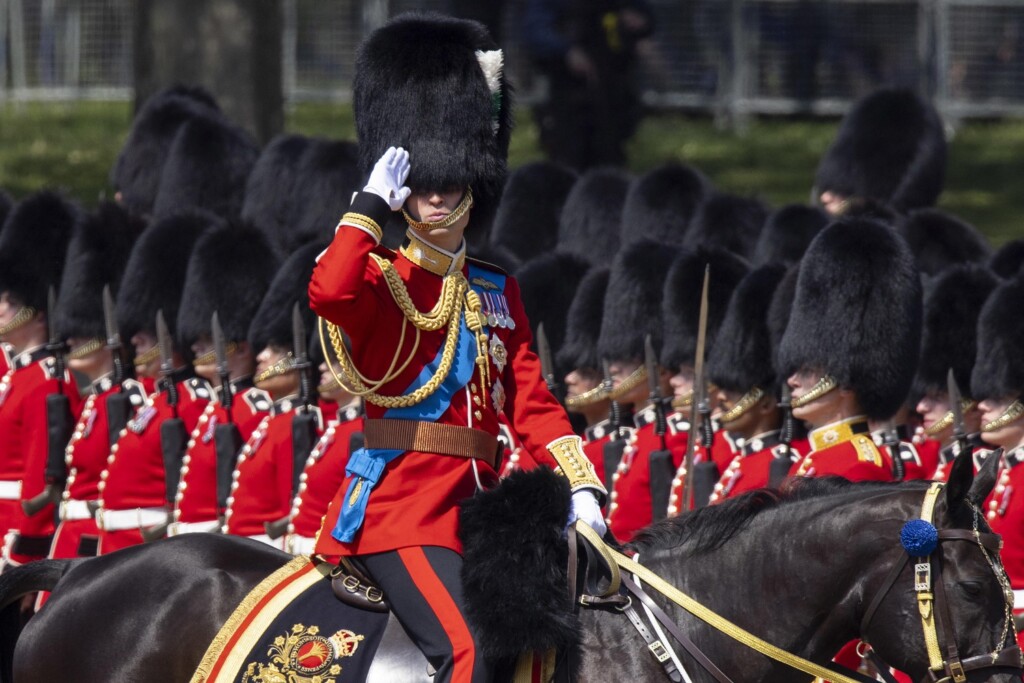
(798, 568)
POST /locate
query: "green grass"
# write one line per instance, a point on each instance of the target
(73, 146)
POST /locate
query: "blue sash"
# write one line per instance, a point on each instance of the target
(366, 465)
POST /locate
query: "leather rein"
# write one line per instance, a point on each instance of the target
(944, 665)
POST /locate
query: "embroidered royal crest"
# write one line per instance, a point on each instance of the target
(304, 656)
(485, 284)
(498, 396)
(499, 354)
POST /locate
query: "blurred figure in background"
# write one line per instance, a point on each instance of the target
(586, 51)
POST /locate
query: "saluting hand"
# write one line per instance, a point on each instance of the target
(387, 180)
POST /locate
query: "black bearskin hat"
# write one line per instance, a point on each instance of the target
(661, 204)
(780, 309)
(270, 191)
(632, 304)
(328, 176)
(207, 167)
(787, 232)
(155, 275)
(890, 148)
(228, 273)
(97, 256)
(857, 314)
(741, 357)
(999, 366)
(6, 204)
(1008, 259)
(583, 322)
(727, 221)
(272, 323)
(420, 84)
(949, 338)
(681, 303)
(136, 173)
(33, 246)
(939, 240)
(589, 224)
(547, 285)
(527, 220)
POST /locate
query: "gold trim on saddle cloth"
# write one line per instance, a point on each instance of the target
(225, 664)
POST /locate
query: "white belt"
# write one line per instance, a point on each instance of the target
(179, 528)
(10, 490)
(1018, 599)
(301, 545)
(263, 538)
(75, 510)
(136, 518)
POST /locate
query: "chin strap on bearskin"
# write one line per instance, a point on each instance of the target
(514, 572)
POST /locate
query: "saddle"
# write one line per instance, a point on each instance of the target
(353, 587)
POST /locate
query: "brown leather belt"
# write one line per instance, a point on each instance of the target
(430, 437)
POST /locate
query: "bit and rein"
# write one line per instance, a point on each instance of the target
(933, 608)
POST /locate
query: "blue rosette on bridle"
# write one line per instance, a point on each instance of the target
(919, 538)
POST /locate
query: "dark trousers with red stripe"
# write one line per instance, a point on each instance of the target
(424, 589)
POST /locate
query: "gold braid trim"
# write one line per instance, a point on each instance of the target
(587, 398)
(823, 386)
(629, 384)
(1013, 412)
(574, 464)
(365, 222)
(748, 401)
(452, 292)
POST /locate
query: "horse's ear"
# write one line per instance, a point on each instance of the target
(961, 476)
(985, 480)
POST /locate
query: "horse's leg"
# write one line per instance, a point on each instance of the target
(143, 614)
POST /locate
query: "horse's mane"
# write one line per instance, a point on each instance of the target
(709, 528)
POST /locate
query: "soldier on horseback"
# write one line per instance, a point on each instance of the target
(439, 342)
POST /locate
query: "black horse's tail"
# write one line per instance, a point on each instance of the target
(16, 583)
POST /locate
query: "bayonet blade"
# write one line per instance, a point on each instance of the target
(51, 316)
(163, 340)
(298, 337)
(956, 405)
(547, 368)
(110, 320)
(698, 389)
(220, 348)
(651, 363)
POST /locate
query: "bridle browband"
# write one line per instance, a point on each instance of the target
(945, 663)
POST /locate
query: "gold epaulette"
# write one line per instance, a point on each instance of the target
(867, 451)
(574, 464)
(364, 222)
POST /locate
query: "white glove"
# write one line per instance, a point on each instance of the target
(585, 507)
(387, 180)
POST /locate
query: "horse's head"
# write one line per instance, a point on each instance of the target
(939, 606)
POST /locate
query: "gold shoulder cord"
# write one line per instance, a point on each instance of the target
(456, 298)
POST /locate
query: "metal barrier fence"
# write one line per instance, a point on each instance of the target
(733, 57)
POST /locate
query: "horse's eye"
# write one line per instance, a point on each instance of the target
(971, 589)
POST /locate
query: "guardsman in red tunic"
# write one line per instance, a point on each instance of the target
(857, 277)
(949, 342)
(681, 313)
(998, 380)
(741, 366)
(229, 271)
(440, 343)
(133, 487)
(33, 245)
(264, 480)
(96, 259)
(324, 470)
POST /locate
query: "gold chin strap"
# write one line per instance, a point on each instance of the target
(210, 357)
(448, 221)
(1012, 413)
(629, 384)
(947, 419)
(83, 350)
(281, 367)
(748, 401)
(332, 385)
(923, 586)
(147, 357)
(20, 319)
(587, 398)
(824, 385)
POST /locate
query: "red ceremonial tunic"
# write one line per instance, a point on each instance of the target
(262, 488)
(196, 500)
(324, 472)
(135, 477)
(30, 378)
(86, 458)
(1004, 511)
(920, 457)
(844, 449)
(751, 469)
(415, 503)
(631, 506)
(594, 438)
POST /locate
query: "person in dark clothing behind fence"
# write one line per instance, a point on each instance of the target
(586, 50)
